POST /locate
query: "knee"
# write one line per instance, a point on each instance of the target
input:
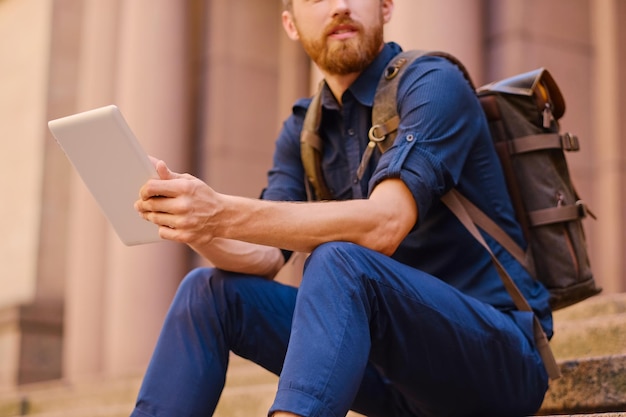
(203, 292)
(204, 281)
(214, 287)
(336, 261)
(336, 254)
(196, 280)
(193, 288)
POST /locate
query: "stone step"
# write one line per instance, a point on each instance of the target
(102, 397)
(589, 343)
(93, 411)
(595, 327)
(587, 386)
(249, 391)
(590, 415)
(590, 346)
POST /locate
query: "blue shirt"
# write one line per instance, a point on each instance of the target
(443, 142)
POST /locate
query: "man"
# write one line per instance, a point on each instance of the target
(400, 312)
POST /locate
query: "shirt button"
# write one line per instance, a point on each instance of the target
(409, 138)
(351, 132)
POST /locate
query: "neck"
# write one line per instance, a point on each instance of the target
(339, 83)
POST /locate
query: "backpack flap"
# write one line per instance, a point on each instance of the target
(538, 85)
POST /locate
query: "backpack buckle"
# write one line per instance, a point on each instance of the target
(377, 133)
(394, 69)
(569, 142)
(582, 209)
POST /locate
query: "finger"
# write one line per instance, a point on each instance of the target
(172, 234)
(160, 188)
(150, 205)
(160, 219)
(166, 174)
(158, 204)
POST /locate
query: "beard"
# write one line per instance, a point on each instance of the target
(342, 57)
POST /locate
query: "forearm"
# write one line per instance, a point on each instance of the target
(189, 211)
(242, 257)
(378, 223)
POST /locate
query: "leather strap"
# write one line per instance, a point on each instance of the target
(557, 214)
(456, 206)
(530, 143)
(485, 222)
(385, 114)
(311, 150)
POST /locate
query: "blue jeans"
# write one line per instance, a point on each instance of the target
(362, 332)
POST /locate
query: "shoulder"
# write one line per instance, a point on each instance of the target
(438, 83)
(437, 68)
(301, 106)
(293, 124)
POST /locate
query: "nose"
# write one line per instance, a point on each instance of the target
(340, 7)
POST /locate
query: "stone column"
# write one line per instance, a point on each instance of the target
(454, 26)
(39, 83)
(294, 82)
(293, 74)
(151, 91)
(240, 94)
(608, 98)
(89, 230)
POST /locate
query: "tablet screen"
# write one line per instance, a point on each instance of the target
(113, 166)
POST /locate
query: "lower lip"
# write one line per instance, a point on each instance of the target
(343, 35)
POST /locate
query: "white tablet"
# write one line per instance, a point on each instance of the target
(113, 166)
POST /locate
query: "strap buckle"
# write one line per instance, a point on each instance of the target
(377, 133)
(582, 209)
(569, 142)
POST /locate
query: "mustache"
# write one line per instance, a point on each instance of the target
(342, 21)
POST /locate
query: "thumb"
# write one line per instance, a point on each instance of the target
(164, 172)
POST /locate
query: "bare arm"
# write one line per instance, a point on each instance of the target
(243, 257)
(189, 211)
(379, 223)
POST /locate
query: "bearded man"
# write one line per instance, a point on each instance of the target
(400, 312)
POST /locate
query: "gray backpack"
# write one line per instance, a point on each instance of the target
(523, 113)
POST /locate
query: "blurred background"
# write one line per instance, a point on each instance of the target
(205, 85)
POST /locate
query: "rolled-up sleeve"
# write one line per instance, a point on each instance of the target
(440, 120)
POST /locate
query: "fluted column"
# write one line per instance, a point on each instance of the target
(293, 74)
(240, 94)
(610, 193)
(454, 26)
(88, 235)
(151, 91)
(294, 82)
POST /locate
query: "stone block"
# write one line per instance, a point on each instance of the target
(592, 328)
(588, 385)
(30, 344)
(592, 415)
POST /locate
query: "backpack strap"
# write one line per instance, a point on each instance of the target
(311, 150)
(455, 202)
(384, 128)
(385, 118)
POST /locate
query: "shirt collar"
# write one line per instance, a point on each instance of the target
(364, 87)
